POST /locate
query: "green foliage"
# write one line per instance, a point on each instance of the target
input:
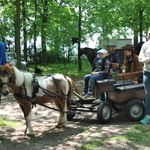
(91, 144)
(70, 69)
(58, 21)
(136, 135)
(7, 122)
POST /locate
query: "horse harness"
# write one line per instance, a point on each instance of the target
(36, 90)
(7, 83)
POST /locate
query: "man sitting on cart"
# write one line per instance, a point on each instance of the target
(106, 68)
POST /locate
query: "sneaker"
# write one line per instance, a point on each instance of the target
(84, 93)
(145, 120)
(88, 95)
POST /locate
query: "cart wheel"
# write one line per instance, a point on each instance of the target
(117, 107)
(135, 110)
(104, 112)
(70, 115)
(71, 110)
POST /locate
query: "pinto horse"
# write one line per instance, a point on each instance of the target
(89, 52)
(55, 88)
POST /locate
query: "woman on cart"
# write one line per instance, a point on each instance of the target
(131, 63)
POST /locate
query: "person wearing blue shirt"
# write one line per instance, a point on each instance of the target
(3, 58)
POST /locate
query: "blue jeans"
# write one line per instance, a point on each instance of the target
(146, 82)
(86, 82)
(92, 82)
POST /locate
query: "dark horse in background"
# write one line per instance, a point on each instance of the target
(138, 47)
(89, 52)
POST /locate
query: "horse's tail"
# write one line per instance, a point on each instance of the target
(71, 85)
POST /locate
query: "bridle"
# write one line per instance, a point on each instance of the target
(9, 82)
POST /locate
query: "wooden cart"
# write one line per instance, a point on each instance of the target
(121, 94)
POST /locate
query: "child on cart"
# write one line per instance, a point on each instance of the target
(97, 66)
(106, 68)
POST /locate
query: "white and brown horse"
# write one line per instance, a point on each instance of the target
(55, 88)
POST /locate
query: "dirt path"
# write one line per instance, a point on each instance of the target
(84, 127)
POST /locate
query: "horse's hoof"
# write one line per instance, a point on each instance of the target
(25, 132)
(28, 133)
(58, 126)
(64, 124)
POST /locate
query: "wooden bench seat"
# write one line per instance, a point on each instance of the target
(121, 83)
(113, 82)
(106, 81)
(130, 87)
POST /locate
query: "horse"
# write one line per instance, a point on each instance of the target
(28, 90)
(138, 47)
(89, 52)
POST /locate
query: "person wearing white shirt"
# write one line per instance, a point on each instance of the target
(144, 57)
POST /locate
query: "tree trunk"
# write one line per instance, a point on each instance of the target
(135, 39)
(141, 17)
(24, 31)
(17, 34)
(43, 33)
(79, 38)
(35, 50)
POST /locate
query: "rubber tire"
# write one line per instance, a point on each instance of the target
(104, 112)
(132, 106)
(70, 115)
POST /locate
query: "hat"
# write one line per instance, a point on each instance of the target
(128, 47)
(111, 44)
(103, 51)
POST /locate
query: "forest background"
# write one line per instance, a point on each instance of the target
(61, 25)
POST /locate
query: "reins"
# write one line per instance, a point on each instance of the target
(47, 92)
(33, 101)
(32, 98)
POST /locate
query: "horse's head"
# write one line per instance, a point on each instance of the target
(5, 75)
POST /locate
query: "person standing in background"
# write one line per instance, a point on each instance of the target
(144, 57)
(3, 58)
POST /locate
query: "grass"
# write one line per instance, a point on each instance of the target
(8, 123)
(137, 137)
(136, 134)
(91, 144)
(70, 69)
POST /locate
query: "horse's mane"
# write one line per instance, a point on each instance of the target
(22, 77)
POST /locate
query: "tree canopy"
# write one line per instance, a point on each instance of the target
(56, 22)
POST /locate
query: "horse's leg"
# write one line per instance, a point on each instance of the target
(26, 109)
(62, 121)
(65, 113)
(60, 114)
